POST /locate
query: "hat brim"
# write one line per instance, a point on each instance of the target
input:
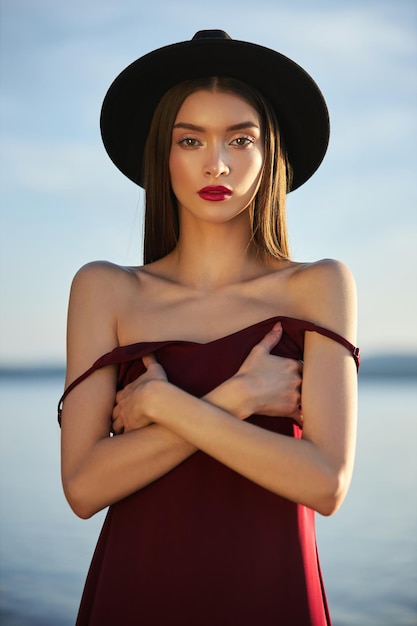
(298, 102)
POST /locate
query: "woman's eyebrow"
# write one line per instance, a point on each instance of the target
(201, 129)
(187, 126)
(243, 125)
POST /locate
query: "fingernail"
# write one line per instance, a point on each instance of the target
(277, 326)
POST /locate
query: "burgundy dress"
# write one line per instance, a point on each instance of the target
(202, 545)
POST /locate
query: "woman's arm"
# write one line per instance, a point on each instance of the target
(98, 470)
(315, 470)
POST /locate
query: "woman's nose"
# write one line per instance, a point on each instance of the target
(216, 164)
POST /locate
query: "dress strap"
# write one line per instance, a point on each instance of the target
(117, 356)
(106, 359)
(354, 350)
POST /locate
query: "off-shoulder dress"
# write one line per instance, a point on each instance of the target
(202, 545)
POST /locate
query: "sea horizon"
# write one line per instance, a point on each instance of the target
(376, 365)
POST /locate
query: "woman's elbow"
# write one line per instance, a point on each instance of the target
(77, 498)
(336, 486)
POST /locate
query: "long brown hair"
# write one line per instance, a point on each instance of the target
(267, 209)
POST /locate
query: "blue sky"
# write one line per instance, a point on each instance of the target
(63, 203)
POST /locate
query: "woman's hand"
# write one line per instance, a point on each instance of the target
(271, 384)
(129, 412)
(264, 384)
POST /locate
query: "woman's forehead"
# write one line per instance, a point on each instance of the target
(206, 108)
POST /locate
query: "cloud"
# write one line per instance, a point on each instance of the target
(64, 202)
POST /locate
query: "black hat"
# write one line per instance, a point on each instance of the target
(297, 101)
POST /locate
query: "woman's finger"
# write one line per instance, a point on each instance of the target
(116, 428)
(149, 359)
(272, 337)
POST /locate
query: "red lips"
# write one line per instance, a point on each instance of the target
(215, 193)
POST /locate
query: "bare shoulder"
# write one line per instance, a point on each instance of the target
(326, 273)
(326, 295)
(99, 274)
(104, 283)
(99, 290)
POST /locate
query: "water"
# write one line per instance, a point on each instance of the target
(368, 549)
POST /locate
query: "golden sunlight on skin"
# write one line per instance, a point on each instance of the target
(216, 156)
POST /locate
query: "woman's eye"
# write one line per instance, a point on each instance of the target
(242, 142)
(189, 142)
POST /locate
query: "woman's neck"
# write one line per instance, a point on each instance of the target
(214, 257)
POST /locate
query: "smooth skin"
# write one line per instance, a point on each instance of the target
(211, 285)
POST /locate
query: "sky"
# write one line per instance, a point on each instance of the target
(63, 203)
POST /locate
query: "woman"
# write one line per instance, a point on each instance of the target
(215, 471)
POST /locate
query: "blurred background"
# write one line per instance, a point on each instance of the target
(63, 204)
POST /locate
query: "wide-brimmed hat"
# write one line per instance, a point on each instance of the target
(298, 102)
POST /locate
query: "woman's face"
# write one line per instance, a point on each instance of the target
(216, 156)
